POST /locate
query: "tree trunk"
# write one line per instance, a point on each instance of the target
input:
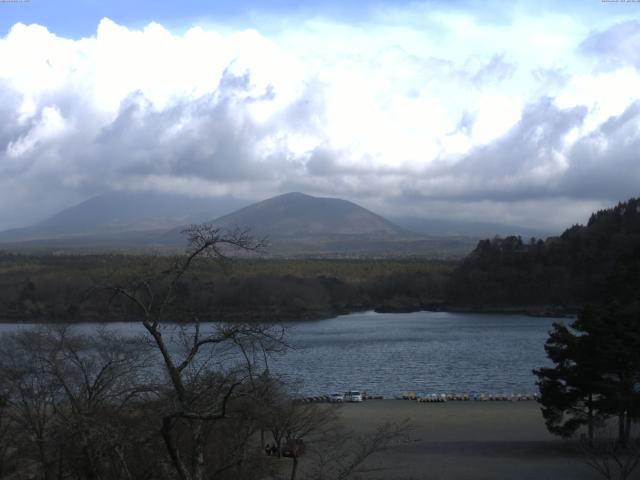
(181, 469)
(124, 467)
(89, 470)
(294, 467)
(627, 432)
(43, 459)
(198, 450)
(591, 420)
(621, 429)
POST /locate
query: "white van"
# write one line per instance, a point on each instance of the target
(336, 398)
(353, 396)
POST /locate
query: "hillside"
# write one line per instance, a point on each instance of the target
(120, 217)
(467, 228)
(560, 272)
(299, 224)
(298, 215)
(295, 225)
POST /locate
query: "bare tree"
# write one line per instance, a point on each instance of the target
(293, 424)
(98, 376)
(65, 394)
(6, 423)
(203, 378)
(611, 458)
(343, 454)
(31, 395)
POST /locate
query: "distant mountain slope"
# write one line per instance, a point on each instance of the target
(453, 227)
(300, 224)
(294, 223)
(300, 215)
(119, 212)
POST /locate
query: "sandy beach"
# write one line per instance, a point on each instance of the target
(468, 440)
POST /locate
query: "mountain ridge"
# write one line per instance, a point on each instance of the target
(298, 214)
(112, 213)
(295, 223)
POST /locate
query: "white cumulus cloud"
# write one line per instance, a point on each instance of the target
(414, 111)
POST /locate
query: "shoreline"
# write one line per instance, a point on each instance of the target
(542, 312)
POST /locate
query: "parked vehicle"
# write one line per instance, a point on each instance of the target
(293, 448)
(336, 398)
(353, 396)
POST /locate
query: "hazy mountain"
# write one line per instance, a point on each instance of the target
(115, 213)
(294, 223)
(300, 224)
(299, 215)
(452, 227)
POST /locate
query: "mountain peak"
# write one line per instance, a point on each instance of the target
(293, 195)
(297, 214)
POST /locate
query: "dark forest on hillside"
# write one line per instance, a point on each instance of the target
(559, 272)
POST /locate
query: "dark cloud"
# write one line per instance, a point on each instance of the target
(606, 163)
(321, 162)
(530, 175)
(213, 138)
(521, 165)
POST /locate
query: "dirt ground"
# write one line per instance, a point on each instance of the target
(467, 440)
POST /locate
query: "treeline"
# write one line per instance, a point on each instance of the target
(67, 289)
(556, 275)
(562, 272)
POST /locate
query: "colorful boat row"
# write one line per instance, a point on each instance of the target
(482, 397)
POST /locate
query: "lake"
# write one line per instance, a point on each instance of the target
(433, 352)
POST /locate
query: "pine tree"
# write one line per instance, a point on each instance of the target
(569, 390)
(596, 373)
(616, 328)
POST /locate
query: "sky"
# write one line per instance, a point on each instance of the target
(514, 112)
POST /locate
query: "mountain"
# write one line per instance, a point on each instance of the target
(296, 215)
(296, 223)
(452, 227)
(115, 216)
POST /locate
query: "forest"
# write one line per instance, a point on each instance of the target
(561, 273)
(552, 276)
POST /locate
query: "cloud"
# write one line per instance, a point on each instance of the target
(526, 163)
(616, 46)
(497, 118)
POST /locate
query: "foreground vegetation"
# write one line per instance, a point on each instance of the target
(180, 402)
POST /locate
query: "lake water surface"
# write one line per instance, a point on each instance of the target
(433, 352)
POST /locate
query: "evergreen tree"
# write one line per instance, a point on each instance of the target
(596, 373)
(569, 390)
(616, 329)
